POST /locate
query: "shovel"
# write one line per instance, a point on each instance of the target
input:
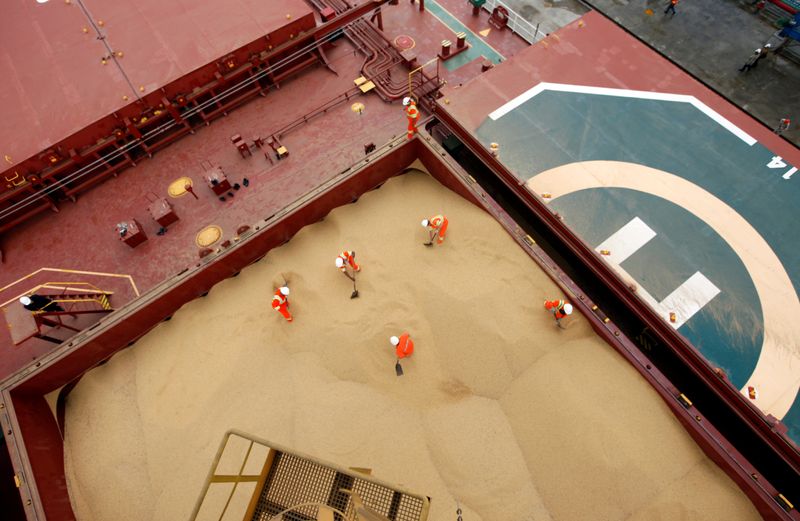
(354, 294)
(398, 368)
(430, 242)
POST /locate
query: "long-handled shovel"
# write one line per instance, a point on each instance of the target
(433, 236)
(398, 368)
(354, 294)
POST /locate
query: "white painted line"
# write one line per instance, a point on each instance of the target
(689, 298)
(627, 241)
(685, 301)
(519, 100)
(623, 93)
(789, 174)
(733, 129)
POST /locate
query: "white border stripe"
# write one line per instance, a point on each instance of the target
(623, 93)
(627, 240)
(689, 298)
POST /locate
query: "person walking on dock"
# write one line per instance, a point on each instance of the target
(671, 7)
(437, 228)
(757, 55)
(280, 302)
(412, 112)
(559, 309)
(783, 125)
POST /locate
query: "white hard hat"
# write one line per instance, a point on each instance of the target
(25, 301)
(285, 291)
(768, 46)
(339, 262)
(406, 101)
(425, 222)
(568, 309)
(394, 340)
(757, 51)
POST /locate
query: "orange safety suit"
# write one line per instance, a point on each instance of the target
(281, 304)
(556, 307)
(349, 258)
(412, 112)
(405, 347)
(438, 223)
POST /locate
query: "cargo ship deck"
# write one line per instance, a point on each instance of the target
(587, 95)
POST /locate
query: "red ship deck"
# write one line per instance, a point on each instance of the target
(82, 235)
(54, 83)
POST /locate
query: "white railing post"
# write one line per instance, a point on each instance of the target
(519, 25)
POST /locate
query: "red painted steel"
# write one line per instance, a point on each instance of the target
(34, 436)
(136, 130)
(52, 58)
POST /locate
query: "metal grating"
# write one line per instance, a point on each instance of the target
(299, 488)
(294, 480)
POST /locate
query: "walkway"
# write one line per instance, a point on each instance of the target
(712, 39)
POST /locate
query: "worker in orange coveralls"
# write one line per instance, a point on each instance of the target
(412, 112)
(345, 259)
(280, 302)
(404, 346)
(437, 228)
(559, 309)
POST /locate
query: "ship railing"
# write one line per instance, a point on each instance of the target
(519, 25)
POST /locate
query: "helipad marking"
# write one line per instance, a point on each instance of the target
(685, 301)
(776, 372)
(627, 240)
(689, 298)
(624, 93)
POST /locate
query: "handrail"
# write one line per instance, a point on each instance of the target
(71, 272)
(525, 29)
(64, 287)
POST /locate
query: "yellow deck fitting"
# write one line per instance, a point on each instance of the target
(605, 252)
(785, 503)
(208, 236)
(177, 188)
(366, 87)
(360, 81)
(672, 317)
(684, 400)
